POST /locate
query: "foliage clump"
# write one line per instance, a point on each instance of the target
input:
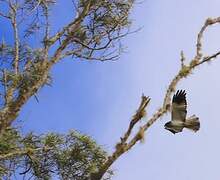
(72, 156)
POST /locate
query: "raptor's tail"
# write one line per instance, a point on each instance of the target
(192, 123)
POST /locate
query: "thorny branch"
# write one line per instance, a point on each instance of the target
(124, 145)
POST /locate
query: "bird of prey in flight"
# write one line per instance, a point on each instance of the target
(178, 115)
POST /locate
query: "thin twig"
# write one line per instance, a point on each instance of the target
(182, 59)
(16, 38)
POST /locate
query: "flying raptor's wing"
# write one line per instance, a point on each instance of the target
(179, 106)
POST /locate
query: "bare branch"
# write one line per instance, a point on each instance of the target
(182, 59)
(122, 146)
(140, 113)
(34, 8)
(16, 38)
(47, 31)
(184, 71)
(208, 22)
(5, 86)
(209, 58)
(5, 16)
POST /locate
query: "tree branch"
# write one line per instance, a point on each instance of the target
(184, 71)
(16, 38)
(22, 152)
(73, 26)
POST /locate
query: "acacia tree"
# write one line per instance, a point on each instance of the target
(94, 33)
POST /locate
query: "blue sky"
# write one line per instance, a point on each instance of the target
(99, 98)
